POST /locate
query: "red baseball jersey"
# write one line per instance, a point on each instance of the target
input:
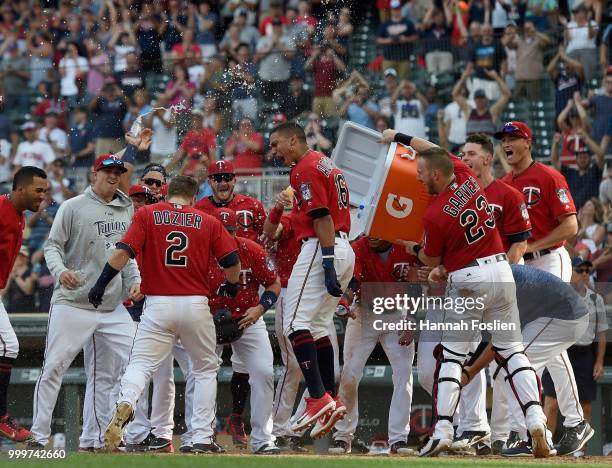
(509, 210)
(459, 224)
(177, 244)
(257, 269)
(547, 197)
(371, 268)
(250, 213)
(317, 184)
(11, 236)
(287, 249)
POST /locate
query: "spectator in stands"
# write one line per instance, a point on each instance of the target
(7, 131)
(72, 67)
(542, 13)
(529, 46)
(40, 223)
(15, 74)
(81, 141)
(602, 264)
(452, 122)
(200, 174)
(274, 54)
(299, 100)
(122, 43)
(174, 24)
(149, 34)
(383, 98)
(382, 123)
(584, 179)
(188, 45)
(52, 100)
(179, 89)
(301, 37)
(408, 105)
(132, 78)
(40, 49)
(5, 165)
(488, 55)
(32, 152)
(206, 23)
(315, 135)
(591, 217)
(60, 187)
(198, 145)
(396, 37)
(241, 84)
(305, 17)
(345, 25)
(480, 11)
(211, 116)
(274, 13)
(248, 33)
(164, 138)
(326, 67)
(19, 292)
(580, 35)
(605, 190)
(481, 118)
(245, 148)
(574, 125)
(600, 106)
(436, 38)
(99, 66)
(110, 108)
(51, 134)
(331, 39)
(214, 77)
(360, 107)
(567, 81)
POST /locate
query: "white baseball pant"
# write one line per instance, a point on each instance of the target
(359, 341)
(166, 319)
(69, 330)
(557, 262)
(8, 339)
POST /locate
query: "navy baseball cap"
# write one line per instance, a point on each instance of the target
(579, 261)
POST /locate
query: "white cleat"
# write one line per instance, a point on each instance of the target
(124, 413)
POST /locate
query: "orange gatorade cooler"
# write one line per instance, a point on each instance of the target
(389, 200)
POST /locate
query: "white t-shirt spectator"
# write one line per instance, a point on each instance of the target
(409, 118)
(456, 121)
(37, 154)
(163, 140)
(68, 83)
(5, 161)
(57, 136)
(121, 52)
(579, 37)
(56, 189)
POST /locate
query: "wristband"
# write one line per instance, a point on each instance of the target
(267, 300)
(275, 214)
(403, 138)
(107, 275)
(416, 249)
(328, 257)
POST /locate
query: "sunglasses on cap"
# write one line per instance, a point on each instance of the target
(149, 182)
(581, 270)
(222, 177)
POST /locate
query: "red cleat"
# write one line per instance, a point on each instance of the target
(235, 426)
(326, 423)
(13, 431)
(315, 409)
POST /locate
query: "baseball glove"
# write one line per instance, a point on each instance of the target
(226, 327)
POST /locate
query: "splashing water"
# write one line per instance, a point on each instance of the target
(174, 109)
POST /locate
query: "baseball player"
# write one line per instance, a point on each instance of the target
(29, 191)
(278, 228)
(82, 236)
(321, 223)
(249, 211)
(376, 261)
(460, 235)
(553, 317)
(178, 243)
(252, 349)
(553, 218)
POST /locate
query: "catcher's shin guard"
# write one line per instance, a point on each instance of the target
(515, 365)
(449, 367)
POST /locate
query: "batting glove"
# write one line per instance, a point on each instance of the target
(228, 289)
(343, 309)
(95, 295)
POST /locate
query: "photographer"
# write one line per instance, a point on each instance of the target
(315, 137)
(326, 66)
(353, 100)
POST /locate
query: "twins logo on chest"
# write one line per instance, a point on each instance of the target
(244, 218)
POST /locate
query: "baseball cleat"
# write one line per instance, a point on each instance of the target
(33, 445)
(124, 413)
(540, 444)
(400, 448)
(340, 447)
(574, 438)
(434, 447)
(497, 446)
(185, 449)
(518, 448)
(141, 446)
(161, 445)
(213, 447)
(267, 449)
(291, 444)
(315, 408)
(235, 426)
(472, 443)
(10, 429)
(326, 422)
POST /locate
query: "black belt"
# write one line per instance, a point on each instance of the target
(539, 253)
(497, 258)
(339, 235)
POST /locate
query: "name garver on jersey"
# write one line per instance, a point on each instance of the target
(461, 197)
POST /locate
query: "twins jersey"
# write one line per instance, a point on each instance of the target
(370, 267)
(11, 236)
(250, 213)
(547, 197)
(318, 184)
(287, 250)
(459, 224)
(510, 212)
(177, 244)
(256, 269)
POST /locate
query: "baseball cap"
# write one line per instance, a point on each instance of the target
(227, 217)
(582, 149)
(396, 4)
(391, 72)
(279, 119)
(516, 128)
(220, 167)
(579, 261)
(29, 126)
(108, 160)
(480, 93)
(142, 190)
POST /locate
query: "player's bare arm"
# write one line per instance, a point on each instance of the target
(254, 313)
(344, 309)
(416, 249)
(516, 251)
(567, 228)
(272, 227)
(390, 136)
(481, 362)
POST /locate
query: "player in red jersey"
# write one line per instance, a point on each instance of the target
(376, 261)
(29, 190)
(550, 204)
(321, 222)
(460, 234)
(249, 211)
(178, 245)
(252, 352)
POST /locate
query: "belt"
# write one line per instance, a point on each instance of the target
(538, 254)
(487, 260)
(339, 235)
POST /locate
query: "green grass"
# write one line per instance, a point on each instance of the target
(282, 461)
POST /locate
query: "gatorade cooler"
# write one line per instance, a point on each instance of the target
(390, 201)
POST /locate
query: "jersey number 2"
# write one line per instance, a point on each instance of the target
(178, 244)
(470, 219)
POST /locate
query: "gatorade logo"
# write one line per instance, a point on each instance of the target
(398, 207)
